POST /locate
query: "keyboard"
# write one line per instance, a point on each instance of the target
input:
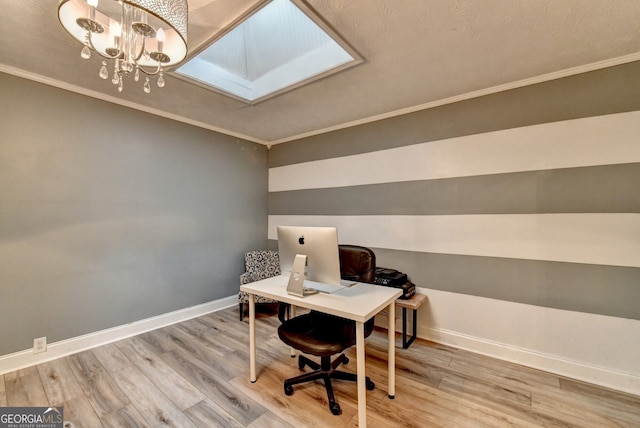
(322, 287)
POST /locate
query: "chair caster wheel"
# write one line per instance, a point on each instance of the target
(345, 360)
(335, 409)
(370, 385)
(288, 390)
(301, 364)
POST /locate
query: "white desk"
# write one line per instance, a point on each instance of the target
(358, 303)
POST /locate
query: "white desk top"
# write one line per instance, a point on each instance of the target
(359, 302)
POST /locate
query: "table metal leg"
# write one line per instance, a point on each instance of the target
(252, 338)
(362, 388)
(414, 324)
(292, 314)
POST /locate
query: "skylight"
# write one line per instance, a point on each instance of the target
(280, 47)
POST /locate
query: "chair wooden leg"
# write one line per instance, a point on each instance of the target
(241, 310)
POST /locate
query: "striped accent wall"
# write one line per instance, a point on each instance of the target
(540, 212)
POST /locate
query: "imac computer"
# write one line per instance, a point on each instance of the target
(319, 245)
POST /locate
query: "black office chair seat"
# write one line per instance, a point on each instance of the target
(307, 334)
(321, 335)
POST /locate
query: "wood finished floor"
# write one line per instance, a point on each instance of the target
(195, 374)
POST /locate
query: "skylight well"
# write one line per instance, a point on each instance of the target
(278, 48)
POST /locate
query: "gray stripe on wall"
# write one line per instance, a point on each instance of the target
(596, 289)
(599, 189)
(606, 91)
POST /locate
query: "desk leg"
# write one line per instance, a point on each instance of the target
(292, 314)
(362, 388)
(391, 358)
(252, 338)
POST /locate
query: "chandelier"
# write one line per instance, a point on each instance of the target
(139, 37)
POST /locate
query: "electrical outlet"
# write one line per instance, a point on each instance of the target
(39, 345)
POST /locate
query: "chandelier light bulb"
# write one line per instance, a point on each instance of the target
(160, 38)
(115, 31)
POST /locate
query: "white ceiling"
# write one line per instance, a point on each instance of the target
(417, 54)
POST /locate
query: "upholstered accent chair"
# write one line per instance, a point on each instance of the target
(258, 265)
(324, 335)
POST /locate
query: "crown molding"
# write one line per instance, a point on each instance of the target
(425, 106)
(475, 94)
(119, 101)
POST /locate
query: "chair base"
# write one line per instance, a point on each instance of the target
(325, 371)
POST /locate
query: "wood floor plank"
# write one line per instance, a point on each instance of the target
(603, 396)
(270, 420)
(307, 407)
(97, 384)
(226, 368)
(512, 403)
(519, 375)
(81, 414)
(24, 388)
(159, 341)
(494, 390)
(58, 381)
(209, 335)
(195, 373)
(583, 410)
(3, 392)
(203, 377)
(124, 417)
(154, 406)
(406, 364)
(111, 357)
(208, 413)
(237, 332)
(177, 388)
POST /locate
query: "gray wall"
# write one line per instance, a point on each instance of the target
(548, 195)
(109, 215)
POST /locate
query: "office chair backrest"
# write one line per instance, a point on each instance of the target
(357, 263)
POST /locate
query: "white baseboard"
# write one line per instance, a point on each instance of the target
(571, 369)
(605, 377)
(27, 358)
(564, 367)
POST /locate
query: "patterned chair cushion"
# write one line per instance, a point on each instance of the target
(259, 265)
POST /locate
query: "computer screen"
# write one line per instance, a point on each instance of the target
(319, 244)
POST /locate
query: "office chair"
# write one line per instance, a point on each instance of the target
(324, 335)
(258, 265)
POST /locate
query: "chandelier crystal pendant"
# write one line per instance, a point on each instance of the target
(139, 36)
